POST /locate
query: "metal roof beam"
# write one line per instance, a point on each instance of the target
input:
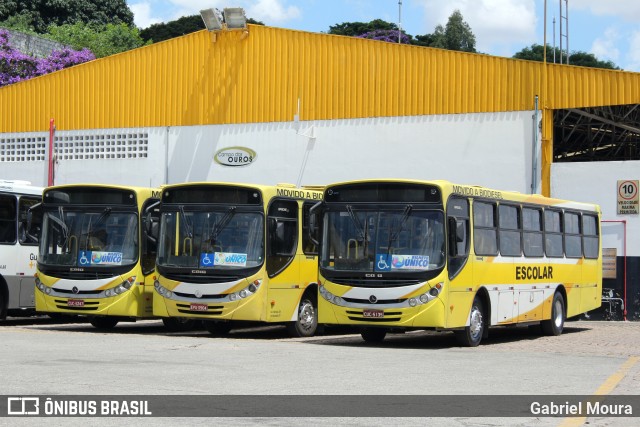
(603, 120)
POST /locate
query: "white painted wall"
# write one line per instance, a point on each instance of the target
(492, 150)
(596, 182)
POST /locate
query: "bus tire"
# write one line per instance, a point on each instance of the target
(307, 322)
(373, 334)
(471, 335)
(217, 328)
(104, 322)
(3, 301)
(555, 325)
(178, 324)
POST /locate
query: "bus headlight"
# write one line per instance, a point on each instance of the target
(161, 290)
(121, 288)
(424, 298)
(413, 302)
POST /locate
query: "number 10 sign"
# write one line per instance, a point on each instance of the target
(628, 197)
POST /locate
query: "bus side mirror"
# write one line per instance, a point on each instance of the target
(33, 231)
(314, 220)
(453, 245)
(457, 234)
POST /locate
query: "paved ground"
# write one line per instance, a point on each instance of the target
(39, 356)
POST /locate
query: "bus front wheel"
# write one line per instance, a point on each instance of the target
(373, 334)
(104, 322)
(217, 328)
(307, 322)
(555, 325)
(178, 324)
(471, 335)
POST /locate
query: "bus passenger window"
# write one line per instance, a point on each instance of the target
(590, 236)
(484, 229)
(509, 230)
(572, 240)
(532, 232)
(552, 234)
(7, 219)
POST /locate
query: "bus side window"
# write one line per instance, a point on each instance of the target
(150, 226)
(308, 246)
(485, 237)
(7, 219)
(282, 235)
(458, 234)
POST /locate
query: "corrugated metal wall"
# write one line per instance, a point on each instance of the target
(195, 80)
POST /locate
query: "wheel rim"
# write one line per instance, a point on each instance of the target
(557, 311)
(475, 323)
(306, 315)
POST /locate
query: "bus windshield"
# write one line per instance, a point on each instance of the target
(405, 239)
(96, 237)
(221, 239)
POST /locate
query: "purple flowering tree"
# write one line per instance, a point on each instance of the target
(387, 36)
(16, 66)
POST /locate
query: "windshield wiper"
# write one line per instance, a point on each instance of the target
(220, 225)
(63, 226)
(102, 218)
(186, 221)
(362, 233)
(393, 234)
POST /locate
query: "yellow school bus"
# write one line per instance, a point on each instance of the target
(402, 255)
(97, 252)
(230, 253)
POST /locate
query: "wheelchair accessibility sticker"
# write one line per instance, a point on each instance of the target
(88, 258)
(206, 260)
(383, 262)
(387, 262)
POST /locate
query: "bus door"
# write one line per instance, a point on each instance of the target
(283, 267)
(460, 267)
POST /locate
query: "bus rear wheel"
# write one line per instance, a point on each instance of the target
(555, 325)
(471, 335)
(104, 322)
(373, 334)
(307, 322)
(217, 328)
(178, 324)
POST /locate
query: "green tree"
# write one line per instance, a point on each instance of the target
(356, 29)
(181, 26)
(535, 52)
(19, 23)
(102, 40)
(458, 34)
(43, 13)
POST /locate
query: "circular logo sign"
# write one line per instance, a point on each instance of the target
(235, 156)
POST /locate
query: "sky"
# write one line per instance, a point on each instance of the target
(610, 29)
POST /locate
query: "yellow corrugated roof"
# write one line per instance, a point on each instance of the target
(193, 80)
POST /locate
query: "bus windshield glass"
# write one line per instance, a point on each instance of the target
(96, 237)
(223, 239)
(406, 239)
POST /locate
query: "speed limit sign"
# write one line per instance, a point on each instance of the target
(628, 198)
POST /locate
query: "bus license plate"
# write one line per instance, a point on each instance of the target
(198, 307)
(372, 313)
(75, 303)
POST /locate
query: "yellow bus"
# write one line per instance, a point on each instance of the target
(97, 252)
(237, 252)
(402, 255)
